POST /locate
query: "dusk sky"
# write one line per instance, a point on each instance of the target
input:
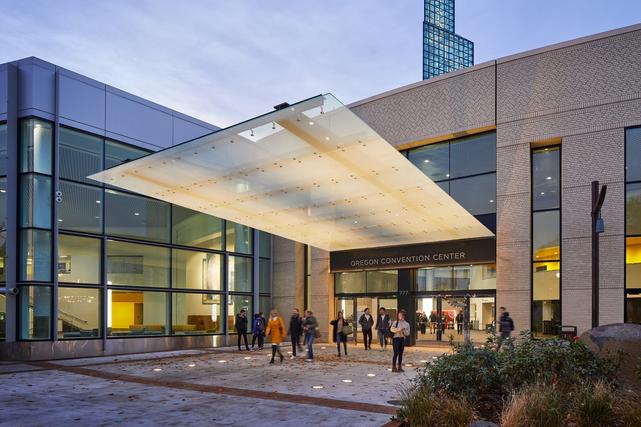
(226, 61)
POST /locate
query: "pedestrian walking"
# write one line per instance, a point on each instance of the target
(400, 329)
(506, 325)
(258, 331)
(459, 322)
(310, 327)
(295, 331)
(433, 322)
(339, 329)
(367, 323)
(382, 327)
(241, 327)
(261, 339)
(276, 331)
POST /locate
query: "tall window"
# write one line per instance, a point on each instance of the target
(465, 169)
(633, 225)
(546, 240)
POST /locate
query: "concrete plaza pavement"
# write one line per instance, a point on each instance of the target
(209, 387)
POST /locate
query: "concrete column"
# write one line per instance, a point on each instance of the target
(287, 275)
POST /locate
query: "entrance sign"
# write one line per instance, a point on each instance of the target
(456, 252)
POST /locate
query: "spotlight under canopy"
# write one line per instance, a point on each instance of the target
(313, 172)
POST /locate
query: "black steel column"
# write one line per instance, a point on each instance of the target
(407, 301)
(595, 257)
(12, 257)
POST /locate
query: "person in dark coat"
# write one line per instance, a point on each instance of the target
(295, 331)
(367, 323)
(241, 327)
(506, 324)
(337, 332)
(258, 331)
(459, 322)
(382, 327)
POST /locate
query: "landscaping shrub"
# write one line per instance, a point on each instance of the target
(627, 408)
(421, 409)
(534, 406)
(593, 405)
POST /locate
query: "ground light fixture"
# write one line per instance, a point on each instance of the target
(222, 361)
(157, 369)
(247, 357)
(317, 387)
(423, 361)
(371, 375)
(347, 381)
(191, 365)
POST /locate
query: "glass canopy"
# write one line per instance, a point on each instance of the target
(312, 172)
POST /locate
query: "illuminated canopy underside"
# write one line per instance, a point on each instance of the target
(312, 172)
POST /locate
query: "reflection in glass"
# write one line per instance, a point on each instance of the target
(197, 314)
(134, 216)
(265, 276)
(35, 255)
(633, 263)
(264, 244)
(3, 149)
(433, 160)
(240, 274)
(35, 146)
(239, 238)
(191, 228)
(35, 201)
(35, 313)
(136, 313)
(265, 305)
(382, 281)
(80, 208)
(546, 235)
(633, 154)
(434, 279)
(197, 270)
(241, 302)
(3, 316)
(546, 306)
(633, 208)
(117, 153)
(130, 264)
(477, 194)
(78, 259)
(78, 313)
(633, 308)
(80, 155)
(349, 283)
(473, 155)
(546, 178)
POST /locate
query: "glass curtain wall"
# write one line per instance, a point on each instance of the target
(546, 240)
(633, 225)
(157, 269)
(464, 168)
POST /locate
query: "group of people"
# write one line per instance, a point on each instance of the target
(306, 327)
(299, 327)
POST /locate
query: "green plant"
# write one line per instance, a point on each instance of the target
(423, 409)
(534, 406)
(593, 405)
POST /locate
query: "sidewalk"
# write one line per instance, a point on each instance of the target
(215, 386)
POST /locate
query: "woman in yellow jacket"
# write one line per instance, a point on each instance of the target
(276, 331)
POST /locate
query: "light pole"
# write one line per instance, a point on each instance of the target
(597, 228)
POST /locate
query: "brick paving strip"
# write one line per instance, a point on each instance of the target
(230, 391)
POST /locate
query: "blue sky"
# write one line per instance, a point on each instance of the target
(224, 61)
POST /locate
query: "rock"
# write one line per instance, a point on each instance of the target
(483, 423)
(622, 339)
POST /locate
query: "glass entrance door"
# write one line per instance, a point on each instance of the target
(442, 318)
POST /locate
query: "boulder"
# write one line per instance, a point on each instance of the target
(622, 339)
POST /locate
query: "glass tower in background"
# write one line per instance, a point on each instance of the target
(443, 51)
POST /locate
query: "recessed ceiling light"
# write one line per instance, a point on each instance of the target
(542, 193)
(426, 161)
(59, 220)
(327, 138)
(549, 177)
(491, 200)
(98, 201)
(136, 213)
(447, 175)
(311, 123)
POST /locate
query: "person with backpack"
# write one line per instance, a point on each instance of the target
(276, 331)
(401, 329)
(506, 325)
(310, 327)
(367, 323)
(339, 329)
(258, 331)
(382, 327)
(295, 331)
(241, 327)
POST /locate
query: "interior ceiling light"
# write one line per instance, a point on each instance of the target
(297, 184)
